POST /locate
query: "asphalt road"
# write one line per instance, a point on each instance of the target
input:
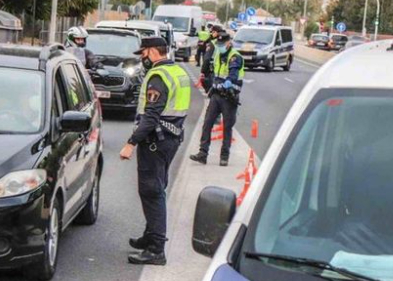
(99, 252)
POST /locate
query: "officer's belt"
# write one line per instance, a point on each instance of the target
(220, 87)
(171, 128)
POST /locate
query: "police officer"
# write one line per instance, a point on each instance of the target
(224, 99)
(203, 37)
(76, 44)
(207, 69)
(162, 109)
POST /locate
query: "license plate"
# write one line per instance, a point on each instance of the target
(320, 44)
(247, 57)
(103, 94)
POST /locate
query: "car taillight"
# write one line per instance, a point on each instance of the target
(311, 42)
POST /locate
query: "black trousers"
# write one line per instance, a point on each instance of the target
(218, 105)
(153, 167)
(200, 54)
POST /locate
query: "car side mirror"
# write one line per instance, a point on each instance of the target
(75, 122)
(214, 211)
(193, 32)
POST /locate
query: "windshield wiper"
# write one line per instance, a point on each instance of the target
(312, 263)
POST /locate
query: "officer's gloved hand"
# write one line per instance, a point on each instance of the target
(227, 84)
(219, 86)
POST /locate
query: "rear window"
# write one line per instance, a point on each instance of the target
(339, 38)
(320, 38)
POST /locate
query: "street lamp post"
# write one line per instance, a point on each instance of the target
(53, 19)
(304, 17)
(364, 30)
(377, 20)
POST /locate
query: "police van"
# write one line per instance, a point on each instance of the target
(320, 206)
(265, 46)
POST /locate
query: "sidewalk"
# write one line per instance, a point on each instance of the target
(183, 262)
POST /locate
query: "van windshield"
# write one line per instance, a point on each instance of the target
(330, 194)
(180, 24)
(260, 36)
(21, 101)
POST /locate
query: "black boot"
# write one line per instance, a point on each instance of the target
(224, 160)
(199, 157)
(147, 257)
(141, 243)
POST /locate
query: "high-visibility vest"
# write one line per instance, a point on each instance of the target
(203, 35)
(221, 70)
(179, 90)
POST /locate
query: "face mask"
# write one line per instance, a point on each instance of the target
(147, 63)
(222, 49)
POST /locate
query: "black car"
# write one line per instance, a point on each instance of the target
(119, 77)
(50, 154)
(319, 41)
(337, 41)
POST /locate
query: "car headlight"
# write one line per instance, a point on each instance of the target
(132, 70)
(20, 182)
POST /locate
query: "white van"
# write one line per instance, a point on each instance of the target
(321, 204)
(186, 22)
(265, 46)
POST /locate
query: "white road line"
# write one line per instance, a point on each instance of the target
(289, 80)
(307, 63)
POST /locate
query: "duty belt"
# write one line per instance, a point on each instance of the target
(172, 128)
(220, 87)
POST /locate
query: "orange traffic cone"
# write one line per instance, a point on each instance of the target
(198, 84)
(254, 129)
(219, 127)
(251, 167)
(244, 191)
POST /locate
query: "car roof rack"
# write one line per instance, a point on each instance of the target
(46, 53)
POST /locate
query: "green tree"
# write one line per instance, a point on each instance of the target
(77, 8)
(208, 6)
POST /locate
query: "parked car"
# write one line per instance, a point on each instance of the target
(143, 28)
(50, 154)
(320, 206)
(319, 41)
(337, 41)
(186, 22)
(119, 78)
(265, 46)
(355, 40)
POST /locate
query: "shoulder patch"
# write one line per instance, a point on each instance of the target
(153, 95)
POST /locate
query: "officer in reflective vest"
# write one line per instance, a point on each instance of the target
(163, 104)
(224, 98)
(203, 37)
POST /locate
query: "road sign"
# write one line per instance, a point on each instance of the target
(251, 11)
(233, 25)
(341, 27)
(242, 16)
(303, 21)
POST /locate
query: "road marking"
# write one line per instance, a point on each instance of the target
(248, 81)
(307, 63)
(289, 80)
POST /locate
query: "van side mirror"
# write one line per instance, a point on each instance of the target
(193, 32)
(214, 211)
(75, 122)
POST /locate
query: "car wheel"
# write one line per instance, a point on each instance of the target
(287, 67)
(45, 269)
(270, 66)
(89, 213)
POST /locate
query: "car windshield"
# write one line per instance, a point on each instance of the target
(21, 101)
(261, 36)
(330, 193)
(339, 38)
(110, 44)
(320, 38)
(179, 24)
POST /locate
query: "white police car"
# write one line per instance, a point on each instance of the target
(321, 204)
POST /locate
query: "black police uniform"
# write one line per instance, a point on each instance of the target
(220, 103)
(154, 157)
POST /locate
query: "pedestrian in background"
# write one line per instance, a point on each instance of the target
(224, 98)
(203, 37)
(163, 104)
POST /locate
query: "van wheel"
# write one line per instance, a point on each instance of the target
(45, 269)
(270, 66)
(89, 214)
(287, 67)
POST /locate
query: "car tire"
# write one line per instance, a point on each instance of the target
(270, 66)
(287, 67)
(46, 267)
(89, 213)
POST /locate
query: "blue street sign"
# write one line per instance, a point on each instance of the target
(242, 16)
(233, 25)
(341, 27)
(251, 11)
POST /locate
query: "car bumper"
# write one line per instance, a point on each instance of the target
(183, 52)
(256, 61)
(120, 99)
(22, 233)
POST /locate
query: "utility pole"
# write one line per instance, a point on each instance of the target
(377, 20)
(364, 30)
(53, 19)
(304, 17)
(33, 31)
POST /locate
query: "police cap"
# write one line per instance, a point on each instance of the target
(223, 37)
(216, 28)
(151, 42)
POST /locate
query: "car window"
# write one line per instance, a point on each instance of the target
(260, 36)
(22, 100)
(278, 37)
(76, 96)
(332, 185)
(286, 36)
